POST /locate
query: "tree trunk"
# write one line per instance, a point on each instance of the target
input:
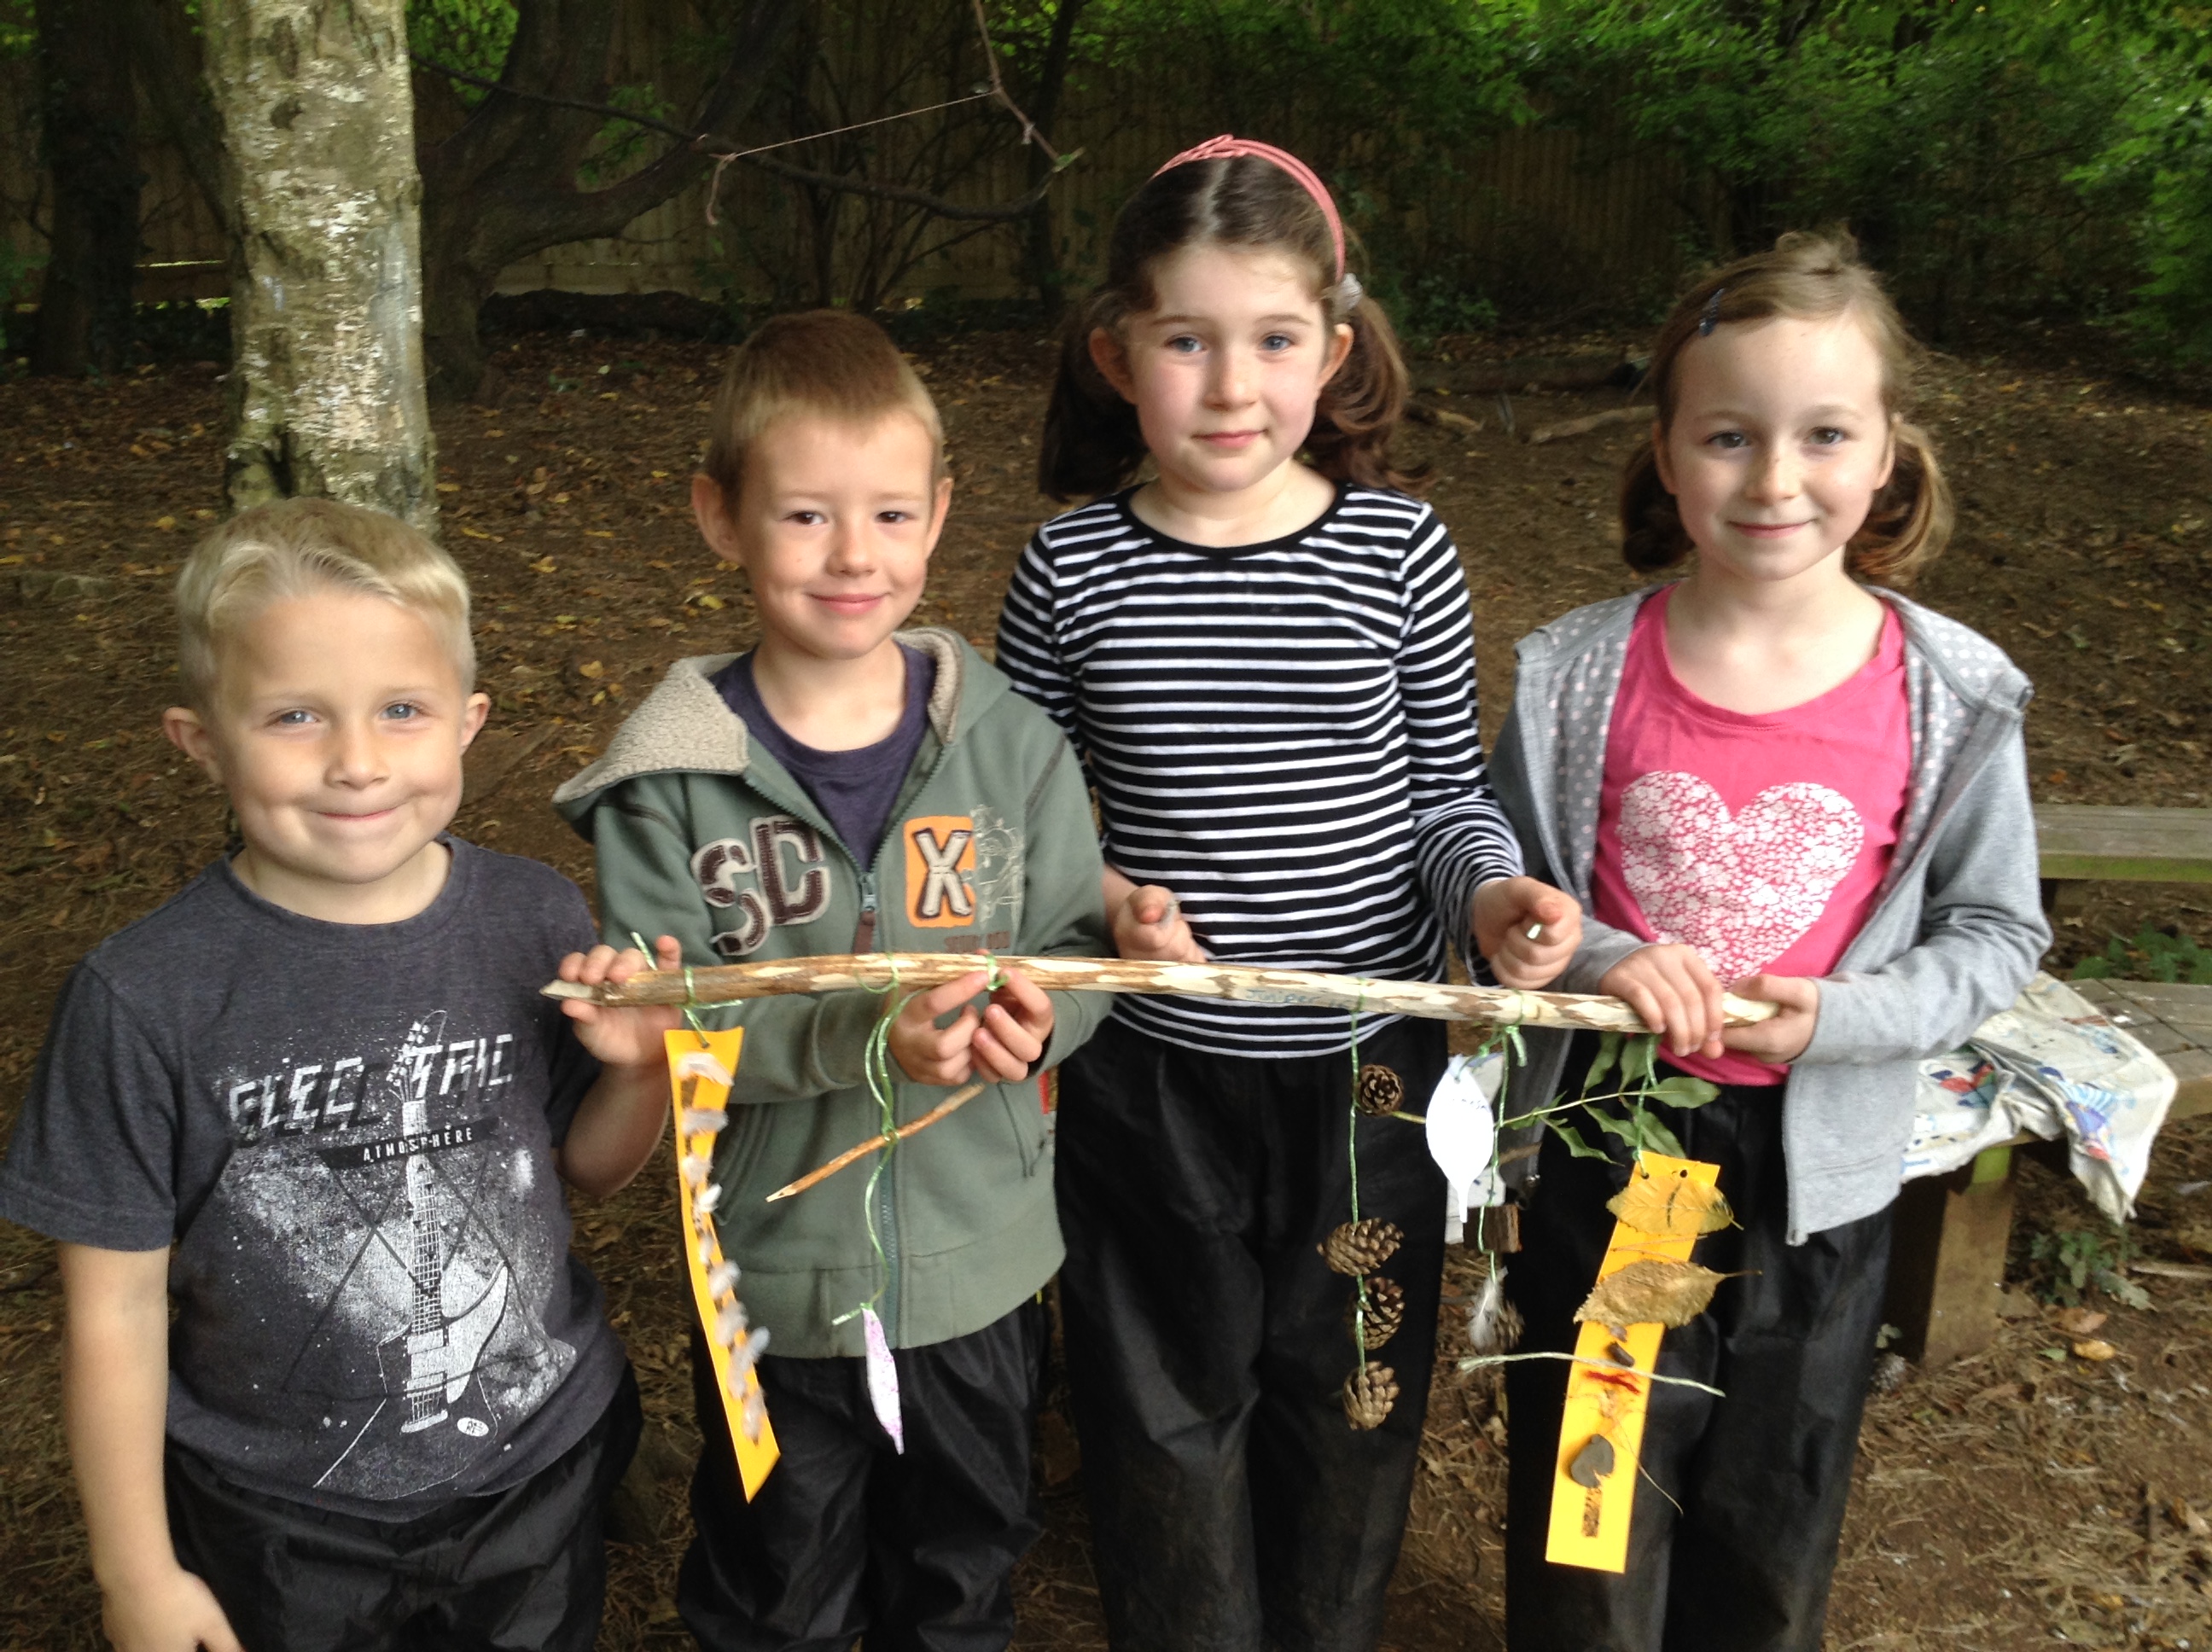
(504, 185)
(89, 117)
(326, 307)
(1040, 268)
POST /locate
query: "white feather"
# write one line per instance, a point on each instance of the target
(1493, 1324)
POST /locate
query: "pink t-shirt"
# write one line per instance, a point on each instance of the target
(1759, 840)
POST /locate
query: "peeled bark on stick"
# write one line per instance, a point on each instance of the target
(318, 124)
(1491, 1006)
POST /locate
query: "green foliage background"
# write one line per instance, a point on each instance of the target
(2014, 157)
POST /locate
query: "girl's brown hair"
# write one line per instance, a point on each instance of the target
(1807, 277)
(1092, 443)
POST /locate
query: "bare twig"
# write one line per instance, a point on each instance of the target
(1029, 133)
(951, 1104)
(1587, 423)
(725, 150)
(1495, 1007)
(901, 192)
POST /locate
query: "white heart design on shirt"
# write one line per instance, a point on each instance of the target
(1742, 890)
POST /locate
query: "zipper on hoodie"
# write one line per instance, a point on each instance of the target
(864, 933)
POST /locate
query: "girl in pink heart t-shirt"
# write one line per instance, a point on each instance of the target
(1760, 840)
(1780, 778)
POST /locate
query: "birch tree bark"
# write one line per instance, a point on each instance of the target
(317, 119)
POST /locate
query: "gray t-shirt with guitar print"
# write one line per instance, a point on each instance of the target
(347, 1133)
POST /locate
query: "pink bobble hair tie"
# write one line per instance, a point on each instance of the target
(1227, 147)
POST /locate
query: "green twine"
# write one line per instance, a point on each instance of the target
(691, 1005)
(1351, 1155)
(876, 1069)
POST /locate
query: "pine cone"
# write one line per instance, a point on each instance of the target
(1386, 1311)
(1369, 1395)
(1379, 1093)
(1359, 1247)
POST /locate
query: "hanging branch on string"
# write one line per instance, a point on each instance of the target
(724, 150)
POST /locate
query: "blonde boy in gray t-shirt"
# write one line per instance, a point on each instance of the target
(315, 1104)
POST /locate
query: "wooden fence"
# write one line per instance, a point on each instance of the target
(1546, 215)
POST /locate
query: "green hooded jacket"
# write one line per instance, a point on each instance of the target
(702, 835)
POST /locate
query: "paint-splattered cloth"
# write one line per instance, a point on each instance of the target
(2052, 1065)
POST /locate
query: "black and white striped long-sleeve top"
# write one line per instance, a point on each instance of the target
(1284, 734)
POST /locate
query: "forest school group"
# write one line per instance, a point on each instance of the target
(334, 1378)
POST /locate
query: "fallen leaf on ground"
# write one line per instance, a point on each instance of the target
(1670, 1207)
(2094, 1349)
(2080, 1321)
(1649, 1293)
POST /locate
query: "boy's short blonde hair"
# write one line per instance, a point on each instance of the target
(831, 363)
(296, 547)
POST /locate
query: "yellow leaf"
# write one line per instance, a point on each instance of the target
(2095, 1348)
(597, 533)
(709, 600)
(543, 565)
(1649, 1293)
(165, 523)
(591, 668)
(1670, 1207)
(449, 487)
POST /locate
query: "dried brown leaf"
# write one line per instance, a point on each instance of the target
(1649, 1293)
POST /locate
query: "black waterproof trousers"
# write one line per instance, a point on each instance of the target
(1232, 1503)
(849, 1540)
(1762, 1477)
(520, 1571)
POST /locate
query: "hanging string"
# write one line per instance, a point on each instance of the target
(876, 1070)
(691, 1004)
(1352, 1154)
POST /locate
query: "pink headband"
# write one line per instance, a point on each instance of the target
(1226, 147)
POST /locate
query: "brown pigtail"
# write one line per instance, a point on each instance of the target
(1909, 521)
(1092, 443)
(1360, 408)
(1652, 539)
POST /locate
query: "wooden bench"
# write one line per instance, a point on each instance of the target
(1948, 1254)
(2079, 844)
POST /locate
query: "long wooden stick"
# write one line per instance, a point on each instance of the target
(1489, 1006)
(945, 1108)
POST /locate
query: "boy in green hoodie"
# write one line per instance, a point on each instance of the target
(849, 786)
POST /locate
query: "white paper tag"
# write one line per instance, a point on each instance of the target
(1462, 1137)
(883, 1379)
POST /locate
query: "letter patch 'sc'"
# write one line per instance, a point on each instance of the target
(940, 865)
(778, 878)
(718, 867)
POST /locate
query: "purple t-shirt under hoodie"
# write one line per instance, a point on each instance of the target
(854, 789)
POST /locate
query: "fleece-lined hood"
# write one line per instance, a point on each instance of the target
(684, 726)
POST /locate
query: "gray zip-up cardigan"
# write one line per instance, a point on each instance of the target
(1956, 928)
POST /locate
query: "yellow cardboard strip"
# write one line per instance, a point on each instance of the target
(1589, 1524)
(701, 1067)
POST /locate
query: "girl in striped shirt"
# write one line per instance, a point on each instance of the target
(1264, 657)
